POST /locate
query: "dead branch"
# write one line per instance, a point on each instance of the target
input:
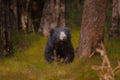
(116, 70)
(106, 72)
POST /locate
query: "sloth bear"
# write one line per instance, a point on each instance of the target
(59, 47)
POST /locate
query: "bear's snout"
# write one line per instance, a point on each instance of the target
(62, 36)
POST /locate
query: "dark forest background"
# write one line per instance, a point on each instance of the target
(19, 18)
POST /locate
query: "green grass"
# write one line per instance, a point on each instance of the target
(29, 63)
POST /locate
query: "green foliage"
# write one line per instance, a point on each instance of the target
(21, 41)
(74, 15)
(109, 15)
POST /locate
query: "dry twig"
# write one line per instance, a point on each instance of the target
(105, 70)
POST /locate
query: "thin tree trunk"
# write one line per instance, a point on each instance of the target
(115, 29)
(53, 16)
(25, 16)
(14, 15)
(6, 44)
(92, 27)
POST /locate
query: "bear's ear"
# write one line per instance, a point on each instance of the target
(67, 28)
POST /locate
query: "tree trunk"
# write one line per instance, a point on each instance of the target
(14, 15)
(53, 16)
(92, 27)
(36, 12)
(6, 44)
(25, 16)
(115, 29)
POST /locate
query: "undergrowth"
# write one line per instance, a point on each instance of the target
(28, 62)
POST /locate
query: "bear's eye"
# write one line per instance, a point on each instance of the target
(62, 36)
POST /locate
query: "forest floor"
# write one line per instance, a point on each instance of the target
(29, 64)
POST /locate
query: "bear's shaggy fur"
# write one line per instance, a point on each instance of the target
(59, 46)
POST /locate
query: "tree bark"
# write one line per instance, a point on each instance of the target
(14, 15)
(25, 16)
(53, 16)
(115, 29)
(5, 34)
(92, 27)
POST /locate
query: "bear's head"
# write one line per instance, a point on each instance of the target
(60, 34)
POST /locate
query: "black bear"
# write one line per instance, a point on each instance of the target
(59, 46)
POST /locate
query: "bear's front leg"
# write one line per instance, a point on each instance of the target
(69, 53)
(49, 52)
